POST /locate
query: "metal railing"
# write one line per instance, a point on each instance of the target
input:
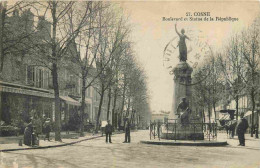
(209, 130)
(155, 129)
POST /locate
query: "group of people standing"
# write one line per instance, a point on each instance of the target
(109, 129)
(35, 127)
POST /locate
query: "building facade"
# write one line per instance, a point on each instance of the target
(26, 88)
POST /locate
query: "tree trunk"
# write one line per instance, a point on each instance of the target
(215, 113)
(55, 74)
(109, 101)
(114, 107)
(100, 107)
(203, 115)
(257, 124)
(253, 109)
(83, 95)
(123, 98)
(209, 111)
(2, 23)
(57, 102)
(128, 107)
(237, 107)
(119, 119)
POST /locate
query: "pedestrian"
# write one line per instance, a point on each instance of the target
(47, 128)
(67, 127)
(28, 135)
(241, 129)
(127, 131)
(108, 131)
(38, 126)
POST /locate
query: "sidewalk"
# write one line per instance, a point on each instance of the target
(11, 143)
(251, 142)
(221, 140)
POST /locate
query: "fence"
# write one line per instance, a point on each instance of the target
(208, 129)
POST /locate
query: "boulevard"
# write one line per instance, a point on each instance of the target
(97, 153)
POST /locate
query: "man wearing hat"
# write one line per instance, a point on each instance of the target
(127, 131)
(108, 131)
(241, 129)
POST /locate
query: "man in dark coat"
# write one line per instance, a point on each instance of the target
(127, 131)
(241, 129)
(108, 131)
(47, 128)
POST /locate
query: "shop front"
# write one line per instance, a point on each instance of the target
(20, 103)
(70, 113)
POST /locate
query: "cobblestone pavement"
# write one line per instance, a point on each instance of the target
(96, 153)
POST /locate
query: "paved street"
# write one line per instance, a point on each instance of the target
(96, 153)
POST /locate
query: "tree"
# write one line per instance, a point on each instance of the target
(65, 24)
(83, 53)
(233, 68)
(251, 53)
(15, 30)
(215, 82)
(111, 46)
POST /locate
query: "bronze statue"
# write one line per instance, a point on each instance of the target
(184, 112)
(182, 107)
(182, 44)
(185, 117)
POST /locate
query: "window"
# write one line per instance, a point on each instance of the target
(96, 98)
(30, 75)
(71, 85)
(39, 78)
(95, 114)
(50, 84)
(88, 92)
(46, 79)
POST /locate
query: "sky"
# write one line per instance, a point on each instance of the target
(151, 34)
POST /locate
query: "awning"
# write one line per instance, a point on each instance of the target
(248, 113)
(87, 100)
(25, 91)
(227, 111)
(224, 117)
(70, 100)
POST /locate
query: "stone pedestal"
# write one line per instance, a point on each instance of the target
(174, 129)
(182, 85)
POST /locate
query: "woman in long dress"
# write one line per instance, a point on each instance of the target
(182, 44)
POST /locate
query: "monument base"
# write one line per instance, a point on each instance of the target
(183, 136)
(178, 131)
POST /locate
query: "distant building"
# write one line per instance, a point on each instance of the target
(160, 116)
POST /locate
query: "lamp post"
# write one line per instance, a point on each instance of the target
(257, 119)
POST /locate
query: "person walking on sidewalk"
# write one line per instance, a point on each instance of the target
(241, 129)
(47, 128)
(127, 131)
(108, 131)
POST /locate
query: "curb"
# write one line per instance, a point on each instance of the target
(213, 144)
(50, 146)
(53, 146)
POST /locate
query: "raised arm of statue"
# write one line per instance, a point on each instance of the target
(176, 30)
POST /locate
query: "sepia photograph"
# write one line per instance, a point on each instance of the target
(129, 84)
